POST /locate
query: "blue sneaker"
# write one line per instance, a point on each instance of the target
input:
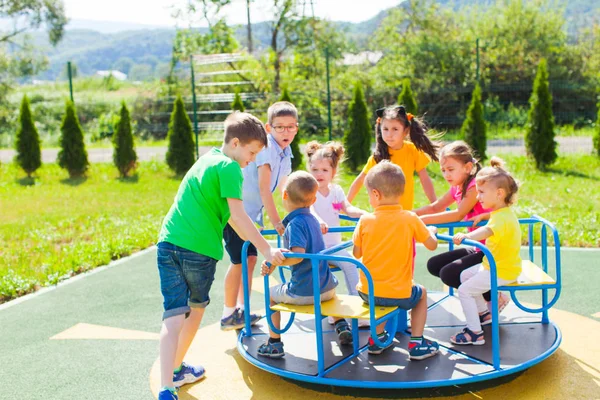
(166, 394)
(383, 337)
(188, 374)
(236, 320)
(426, 349)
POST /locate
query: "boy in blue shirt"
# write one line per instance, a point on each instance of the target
(270, 170)
(191, 242)
(302, 235)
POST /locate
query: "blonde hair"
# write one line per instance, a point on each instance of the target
(387, 178)
(462, 152)
(301, 188)
(332, 151)
(500, 178)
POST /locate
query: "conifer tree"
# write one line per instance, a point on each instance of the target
(124, 156)
(29, 155)
(72, 156)
(238, 104)
(474, 127)
(295, 145)
(597, 135)
(407, 99)
(357, 138)
(539, 137)
(180, 154)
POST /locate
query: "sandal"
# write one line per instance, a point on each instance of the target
(271, 350)
(483, 318)
(473, 338)
(343, 331)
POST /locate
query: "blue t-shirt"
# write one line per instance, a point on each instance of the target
(280, 162)
(303, 230)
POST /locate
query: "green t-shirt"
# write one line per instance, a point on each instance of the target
(200, 210)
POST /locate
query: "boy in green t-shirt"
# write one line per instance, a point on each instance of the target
(191, 242)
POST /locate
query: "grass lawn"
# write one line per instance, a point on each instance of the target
(53, 227)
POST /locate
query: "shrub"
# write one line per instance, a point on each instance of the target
(407, 99)
(29, 155)
(295, 145)
(357, 138)
(72, 156)
(539, 137)
(124, 155)
(474, 127)
(180, 154)
(597, 135)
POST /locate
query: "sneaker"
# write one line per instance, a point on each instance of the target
(426, 349)
(188, 374)
(374, 349)
(344, 332)
(237, 320)
(271, 350)
(166, 394)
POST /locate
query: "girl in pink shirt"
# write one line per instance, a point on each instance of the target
(459, 168)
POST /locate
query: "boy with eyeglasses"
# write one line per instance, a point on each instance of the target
(261, 177)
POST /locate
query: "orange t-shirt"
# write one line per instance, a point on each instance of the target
(386, 240)
(410, 159)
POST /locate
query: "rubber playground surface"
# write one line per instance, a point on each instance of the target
(96, 336)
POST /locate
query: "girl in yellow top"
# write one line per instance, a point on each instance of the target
(496, 190)
(394, 125)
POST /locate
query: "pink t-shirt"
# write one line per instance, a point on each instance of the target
(456, 193)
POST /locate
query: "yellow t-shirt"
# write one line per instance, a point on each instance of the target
(386, 240)
(505, 243)
(410, 159)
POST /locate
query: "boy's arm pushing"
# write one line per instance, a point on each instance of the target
(243, 225)
(267, 269)
(264, 187)
(427, 185)
(355, 187)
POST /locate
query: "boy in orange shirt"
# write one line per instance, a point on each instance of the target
(388, 255)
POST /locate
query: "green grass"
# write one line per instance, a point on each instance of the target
(53, 227)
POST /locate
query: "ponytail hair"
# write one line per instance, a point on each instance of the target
(462, 152)
(501, 178)
(332, 151)
(418, 133)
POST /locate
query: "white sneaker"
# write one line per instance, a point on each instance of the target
(331, 320)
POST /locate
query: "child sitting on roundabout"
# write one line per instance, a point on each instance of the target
(388, 255)
(302, 235)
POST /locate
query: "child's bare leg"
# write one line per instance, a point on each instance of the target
(251, 265)
(418, 316)
(276, 319)
(169, 343)
(380, 328)
(187, 334)
(233, 278)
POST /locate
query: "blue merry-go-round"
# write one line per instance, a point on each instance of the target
(520, 337)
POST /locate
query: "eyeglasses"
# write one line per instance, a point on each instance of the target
(281, 128)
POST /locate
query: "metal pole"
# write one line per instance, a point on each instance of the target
(477, 52)
(70, 74)
(194, 105)
(328, 92)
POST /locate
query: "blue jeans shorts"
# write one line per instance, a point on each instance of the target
(185, 279)
(405, 304)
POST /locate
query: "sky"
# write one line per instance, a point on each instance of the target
(159, 12)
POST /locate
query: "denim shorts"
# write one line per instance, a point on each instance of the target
(405, 304)
(281, 294)
(185, 278)
(234, 243)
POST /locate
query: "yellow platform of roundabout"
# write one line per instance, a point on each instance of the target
(573, 372)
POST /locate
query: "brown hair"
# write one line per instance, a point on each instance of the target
(332, 151)
(246, 127)
(281, 109)
(500, 178)
(301, 188)
(387, 178)
(418, 133)
(462, 152)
